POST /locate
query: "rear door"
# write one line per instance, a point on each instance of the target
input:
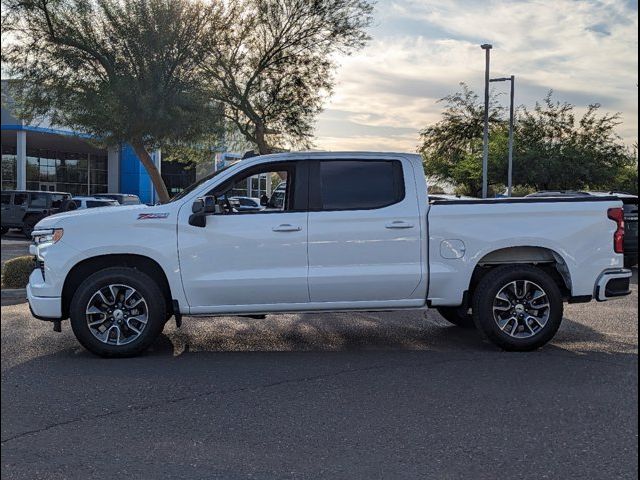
(364, 231)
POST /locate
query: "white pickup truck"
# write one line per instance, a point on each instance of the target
(335, 232)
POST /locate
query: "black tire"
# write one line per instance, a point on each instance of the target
(3, 230)
(29, 223)
(148, 290)
(459, 316)
(483, 308)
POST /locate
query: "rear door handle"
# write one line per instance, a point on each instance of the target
(399, 224)
(286, 227)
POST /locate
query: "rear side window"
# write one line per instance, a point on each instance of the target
(38, 200)
(20, 198)
(98, 203)
(360, 185)
(56, 200)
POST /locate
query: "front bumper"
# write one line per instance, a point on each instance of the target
(612, 284)
(44, 308)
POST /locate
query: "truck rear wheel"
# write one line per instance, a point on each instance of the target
(29, 224)
(517, 307)
(117, 312)
(459, 316)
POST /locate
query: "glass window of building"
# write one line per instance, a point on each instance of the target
(8, 171)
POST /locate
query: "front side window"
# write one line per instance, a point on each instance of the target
(360, 184)
(275, 196)
(6, 198)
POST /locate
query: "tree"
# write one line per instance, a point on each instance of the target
(557, 150)
(554, 148)
(452, 146)
(121, 70)
(272, 63)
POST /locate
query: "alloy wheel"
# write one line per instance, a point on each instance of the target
(117, 314)
(521, 309)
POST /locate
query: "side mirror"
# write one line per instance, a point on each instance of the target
(209, 204)
(198, 206)
(202, 207)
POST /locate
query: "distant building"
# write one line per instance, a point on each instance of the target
(43, 157)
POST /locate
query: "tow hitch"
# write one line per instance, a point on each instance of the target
(57, 326)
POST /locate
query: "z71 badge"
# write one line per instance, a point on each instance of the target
(149, 216)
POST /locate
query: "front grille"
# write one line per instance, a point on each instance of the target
(39, 264)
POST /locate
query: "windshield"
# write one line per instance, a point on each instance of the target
(195, 185)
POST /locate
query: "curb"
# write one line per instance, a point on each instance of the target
(14, 293)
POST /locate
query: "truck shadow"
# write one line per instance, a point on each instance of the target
(357, 332)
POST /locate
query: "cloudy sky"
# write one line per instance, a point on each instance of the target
(586, 51)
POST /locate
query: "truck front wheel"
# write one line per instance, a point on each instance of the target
(117, 312)
(517, 307)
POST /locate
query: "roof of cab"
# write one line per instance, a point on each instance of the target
(312, 155)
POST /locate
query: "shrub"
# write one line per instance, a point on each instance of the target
(16, 272)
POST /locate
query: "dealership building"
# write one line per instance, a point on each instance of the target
(43, 157)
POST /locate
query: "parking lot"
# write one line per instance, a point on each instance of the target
(371, 395)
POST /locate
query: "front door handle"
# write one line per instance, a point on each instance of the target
(399, 224)
(286, 227)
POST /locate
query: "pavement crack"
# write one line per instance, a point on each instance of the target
(287, 381)
(172, 401)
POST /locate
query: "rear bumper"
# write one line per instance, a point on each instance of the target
(612, 284)
(44, 308)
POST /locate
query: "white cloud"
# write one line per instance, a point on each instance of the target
(585, 51)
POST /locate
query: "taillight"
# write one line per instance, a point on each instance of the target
(617, 215)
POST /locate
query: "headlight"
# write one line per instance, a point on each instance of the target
(49, 235)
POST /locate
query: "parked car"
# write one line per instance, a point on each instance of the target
(447, 196)
(557, 193)
(23, 209)
(121, 198)
(246, 204)
(93, 202)
(356, 232)
(630, 205)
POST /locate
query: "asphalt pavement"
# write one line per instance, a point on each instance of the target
(344, 396)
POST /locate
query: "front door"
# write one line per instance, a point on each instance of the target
(364, 232)
(248, 260)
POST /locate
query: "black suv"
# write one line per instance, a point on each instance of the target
(630, 204)
(22, 209)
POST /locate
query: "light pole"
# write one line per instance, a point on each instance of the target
(485, 139)
(511, 79)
